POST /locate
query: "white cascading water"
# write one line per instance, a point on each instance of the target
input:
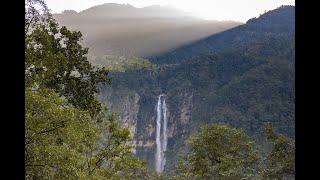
(164, 136)
(158, 142)
(161, 143)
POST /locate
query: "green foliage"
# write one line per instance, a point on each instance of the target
(55, 59)
(115, 160)
(67, 135)
(220, 152)
(277, 22)
(56, 137)
(280, 162)
(63, 142)
(121, 63)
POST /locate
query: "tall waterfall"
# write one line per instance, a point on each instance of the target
(161, 141)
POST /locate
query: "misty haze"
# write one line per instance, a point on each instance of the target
(115, 29)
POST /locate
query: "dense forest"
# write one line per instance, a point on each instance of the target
(230, 100)
(278, 22)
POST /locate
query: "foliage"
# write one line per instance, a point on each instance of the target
(280, 162)
(277, 22)
(67, 133)
(55, 146)
(55, 59)
(63, 142)
(116, 159)
(122, 63)
(36, 13)
(220, 152)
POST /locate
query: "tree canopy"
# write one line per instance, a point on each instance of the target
(219, 152)
(55, 59)
(280, 161)
(68, 134)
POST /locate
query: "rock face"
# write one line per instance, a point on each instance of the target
(140, 118)
(126, 107)
(185, 113)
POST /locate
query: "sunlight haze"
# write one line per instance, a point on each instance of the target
(236, 10)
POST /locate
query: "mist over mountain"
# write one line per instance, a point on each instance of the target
(271, 24)
(119, 29)
(117, 11)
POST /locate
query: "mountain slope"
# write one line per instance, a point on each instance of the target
(241, 82)
(114, 29)
(271, 24)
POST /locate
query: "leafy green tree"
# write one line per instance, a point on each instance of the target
(56, 137)
(219, 152)
(280, 162)
(55, 59)
(67, 133)
(62, 142)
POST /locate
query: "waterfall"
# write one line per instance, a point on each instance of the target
(158, 142)
(161, 141)
(164, 136)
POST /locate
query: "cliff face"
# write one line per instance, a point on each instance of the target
(138, 113)
(125, 104)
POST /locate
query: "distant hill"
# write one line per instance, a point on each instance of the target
(127, 11)
(269, 25)
(118, 29)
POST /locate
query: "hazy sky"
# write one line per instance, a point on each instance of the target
(237, 10)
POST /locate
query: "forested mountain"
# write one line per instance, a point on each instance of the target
(279, 22)
(119, 29)
(243, 77)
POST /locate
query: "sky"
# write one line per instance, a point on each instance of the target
(236, 10)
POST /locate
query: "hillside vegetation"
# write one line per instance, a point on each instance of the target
(242, 77)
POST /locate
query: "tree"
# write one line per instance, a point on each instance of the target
(56, 137)
(55, 59)
(219, 152)
(67, 133)
(115, 159)
(280, 162)
(36, 13)
(62, 142)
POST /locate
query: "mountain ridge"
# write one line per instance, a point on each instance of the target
(137, 32)
(237, 36)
